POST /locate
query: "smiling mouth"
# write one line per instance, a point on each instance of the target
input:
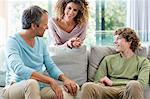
(69, 16)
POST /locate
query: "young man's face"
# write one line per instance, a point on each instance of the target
(42, 26)
(121, 44)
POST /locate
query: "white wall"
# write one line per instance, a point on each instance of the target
(3, 20)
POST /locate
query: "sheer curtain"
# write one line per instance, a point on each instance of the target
(138, 18)
(2, 31)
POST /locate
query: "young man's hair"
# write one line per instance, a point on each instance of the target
(130, 36)
(32, 15)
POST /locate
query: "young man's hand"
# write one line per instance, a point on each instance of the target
(106, 81)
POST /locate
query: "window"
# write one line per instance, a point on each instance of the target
(105, 17)
(15, 10)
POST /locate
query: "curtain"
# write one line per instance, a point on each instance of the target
(138, 18)
(2, 31)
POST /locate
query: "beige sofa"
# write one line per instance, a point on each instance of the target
(78, 64)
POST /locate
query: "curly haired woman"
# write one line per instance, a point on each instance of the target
(69, 26)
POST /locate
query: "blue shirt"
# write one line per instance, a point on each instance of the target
(23, 60)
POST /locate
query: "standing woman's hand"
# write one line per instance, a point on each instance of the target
(77, 43)
(74, 42)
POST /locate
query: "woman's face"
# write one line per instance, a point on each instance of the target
(71, 11)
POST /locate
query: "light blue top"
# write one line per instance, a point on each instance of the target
(23, 60)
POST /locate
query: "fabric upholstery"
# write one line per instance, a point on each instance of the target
(73, 62)
(95, 58)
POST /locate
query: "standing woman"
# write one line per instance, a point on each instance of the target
(69, 26)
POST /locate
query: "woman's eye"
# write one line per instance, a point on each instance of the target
(75, 10)
(69, 8)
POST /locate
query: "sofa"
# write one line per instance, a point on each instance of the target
(78, 64)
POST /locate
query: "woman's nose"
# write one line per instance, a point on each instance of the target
(71, 12)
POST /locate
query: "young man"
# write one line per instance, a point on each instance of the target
(122, 75)
(28, 59)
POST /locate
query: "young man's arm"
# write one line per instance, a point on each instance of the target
(144, 72)
(102, 71)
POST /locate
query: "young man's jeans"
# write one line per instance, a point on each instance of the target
(133, 90)
(29, 89)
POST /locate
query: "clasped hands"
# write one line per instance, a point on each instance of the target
(74, 42)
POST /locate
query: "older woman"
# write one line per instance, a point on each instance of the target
(68, 28)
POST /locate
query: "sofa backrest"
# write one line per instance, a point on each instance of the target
(73, 62)
(97, 53)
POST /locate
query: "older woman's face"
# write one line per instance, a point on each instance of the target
(71, 10)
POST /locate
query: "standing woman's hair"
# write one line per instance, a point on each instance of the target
(82, 15)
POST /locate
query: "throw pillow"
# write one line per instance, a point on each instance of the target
(73, 62)
(95, 57)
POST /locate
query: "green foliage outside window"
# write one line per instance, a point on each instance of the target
(114, 15)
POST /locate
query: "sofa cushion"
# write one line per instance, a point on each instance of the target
(97, 54)
(148, 53)
(73, 62)
(2, 67)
